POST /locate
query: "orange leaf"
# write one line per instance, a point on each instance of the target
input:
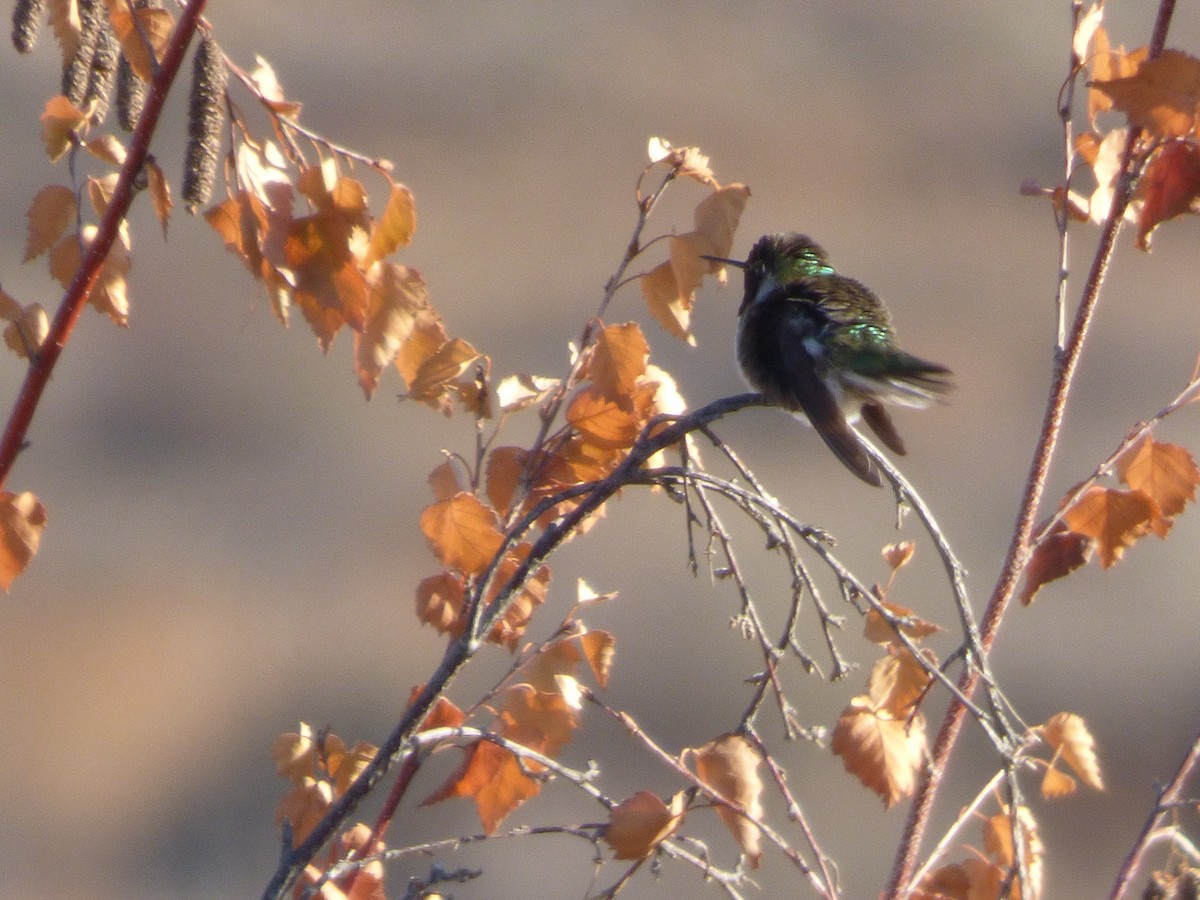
(440, 603)
(303, 806)
(885, 753)
(998, 841)
(688, 162)
(398, 302)
(346, 765)
(1162, 96)
(1107, 63)
(505, 466)
(160, 194)
(438, 372)
(1115, 519)
(492, 777)
(395, 227)
(540, 720)
(155, 24)
(604, 423)
(294, 754)
(60, 120)
(729, 766)
(509, 630)
(598, 649)
(443, 481)
(50, 212)
(878, 630)
(1056, 784)
(1169, 187)
(1057, 555)
(22, 521)
(898, 681)
(268, 85)
(618, 360)
(717, 217)
(1068, 734)
(898, 555)
(1166, 472)
(668, 304)
(462, 532)
(28, 330)
(637, 825)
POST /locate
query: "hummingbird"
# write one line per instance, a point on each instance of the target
(821, 345)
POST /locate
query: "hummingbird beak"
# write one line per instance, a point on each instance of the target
(736, 263)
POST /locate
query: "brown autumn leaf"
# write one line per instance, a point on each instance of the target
(1166, 472)
(897, 555)
(67, 27)
(1056, 784)
(618, 360)
(638, 824)
(898, 681)
(540, 720)
(438, 375)
(271, 90)
(604, 423)
(303, 806)
(107, 147)
(428, 336)
(1113, 518)
(598, 648)
(100, 192)
(1169, 187)
(397, 303)
(330, 289)
(60, 121)
(884, 752)
(1106, 63)
(346, 765)
(294, 754)
(669, 306)
(462, 532)
(1068, 734)
(444, 713)
(155, 24)
(50, 212)
(949, 882)
(516, 392)
(1162, 96)
(878, 630)
(729, 766)
(502, 476)
(688, 162)
(440, 602)
(1057, 555)
(108, 293)
(160, 193)
(716, 219)
(532, 594)
(998, 842)
(493, 778)
(443, 480)
(27, 330)
(394, 228)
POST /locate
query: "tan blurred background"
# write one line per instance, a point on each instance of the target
(233, 543)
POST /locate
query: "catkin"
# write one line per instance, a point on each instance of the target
(205, 116)
(27, 17)
(103, 72)
(76, 73)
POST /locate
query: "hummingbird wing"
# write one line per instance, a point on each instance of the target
(804, 388)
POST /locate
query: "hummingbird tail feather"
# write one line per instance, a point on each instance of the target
(881, 423)
(844, 443)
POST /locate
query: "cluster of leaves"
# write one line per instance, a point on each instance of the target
(1160, 478)
(1160, 101)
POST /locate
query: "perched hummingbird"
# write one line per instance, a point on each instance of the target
(821, 345)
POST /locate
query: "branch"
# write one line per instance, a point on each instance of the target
(42, 363)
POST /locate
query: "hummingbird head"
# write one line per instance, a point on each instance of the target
(775, 259)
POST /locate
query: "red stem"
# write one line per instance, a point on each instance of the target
(43, 361)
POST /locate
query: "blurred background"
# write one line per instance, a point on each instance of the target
(233, 541)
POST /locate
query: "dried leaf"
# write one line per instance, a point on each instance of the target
(618, 360)
(395, 227)
(1113, 518)
(897, 555)
(1068, 734)
(60, 121)
(160, 194)
(493, 778)
(637, 825)
(1162, 96)
(898, 681)
(605, 423)
(108, 148)
(462, 532)
(879, 630)
(1057, 555)
(28, 331)
(50, 212)
(1169, 187)
(155, 24)
(885, 753)
(729, 766)
(1166, 472)
(398, 302)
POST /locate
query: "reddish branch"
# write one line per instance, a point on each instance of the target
(43, 361)
(1018, 551)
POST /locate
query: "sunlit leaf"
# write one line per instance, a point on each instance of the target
(729, 765)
